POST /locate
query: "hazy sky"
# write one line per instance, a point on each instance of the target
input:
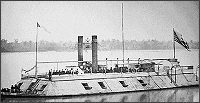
(66, 20)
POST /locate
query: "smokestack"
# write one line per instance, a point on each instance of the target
(80, 50)
(94, 53)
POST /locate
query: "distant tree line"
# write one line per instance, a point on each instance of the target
(30, 46)
(43, 46)
(143, 45)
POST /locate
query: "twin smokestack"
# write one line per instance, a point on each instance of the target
(94, 52)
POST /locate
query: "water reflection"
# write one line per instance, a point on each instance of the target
(187, 94)
(124, 99)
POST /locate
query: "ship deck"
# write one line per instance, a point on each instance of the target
(90, 76)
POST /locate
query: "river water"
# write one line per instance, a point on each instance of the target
(12, 63)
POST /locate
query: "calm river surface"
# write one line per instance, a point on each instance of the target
(12, 63)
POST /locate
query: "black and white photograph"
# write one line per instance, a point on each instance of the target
(99, 51)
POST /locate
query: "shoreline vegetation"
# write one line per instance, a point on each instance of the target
(103, 45)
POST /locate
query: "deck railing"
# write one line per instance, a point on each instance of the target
(105, 65)
(128, 61)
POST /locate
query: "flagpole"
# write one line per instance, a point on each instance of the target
(36, 52)
(174, 43)
(122, 38)
(174, 56)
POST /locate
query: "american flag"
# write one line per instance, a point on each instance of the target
(178, 38)
(38, 25)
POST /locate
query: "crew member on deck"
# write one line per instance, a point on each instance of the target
(50, 75)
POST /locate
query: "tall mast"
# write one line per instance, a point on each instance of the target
(174, 43)
(122, 37)
(36, 52)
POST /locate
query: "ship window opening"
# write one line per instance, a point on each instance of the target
(19, 85)
(102, 85)
(86, 86)
(142, 82)
(30, 86)
(123, 83)
(190, 67)
(43, 86)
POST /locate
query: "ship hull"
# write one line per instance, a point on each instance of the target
(97, 84)
(3, 96)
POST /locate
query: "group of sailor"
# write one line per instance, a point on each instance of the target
(62, 72)
(14, 89)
